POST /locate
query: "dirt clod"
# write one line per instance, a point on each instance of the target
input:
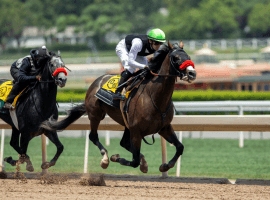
(93, 180)
(3, 175)
(52, 179)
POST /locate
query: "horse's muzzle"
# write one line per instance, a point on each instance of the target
(191, 74)
(61, 80)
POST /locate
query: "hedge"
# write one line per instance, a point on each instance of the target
(209, 95)
(78, 95)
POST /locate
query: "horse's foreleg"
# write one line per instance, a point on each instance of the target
(23, 157)
(170, 136)
(14, 142)
(53, 137)
(126, 143)
(93, 136)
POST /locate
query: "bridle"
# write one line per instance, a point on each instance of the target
(176, 72)
(55, 73)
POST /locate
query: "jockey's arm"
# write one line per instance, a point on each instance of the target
(135, 48)
(24, 70)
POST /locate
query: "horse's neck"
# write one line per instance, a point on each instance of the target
(47, 91)
(163, 86)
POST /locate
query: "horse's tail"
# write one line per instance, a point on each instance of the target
(73, 114)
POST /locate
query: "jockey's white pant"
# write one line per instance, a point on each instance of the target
(122, 53)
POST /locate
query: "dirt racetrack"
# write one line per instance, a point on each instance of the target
(126, 187)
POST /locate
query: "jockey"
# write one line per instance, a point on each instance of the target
(26, 71)
(132, 52)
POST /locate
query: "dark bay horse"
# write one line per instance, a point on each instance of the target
(35, 106)
(150, 110)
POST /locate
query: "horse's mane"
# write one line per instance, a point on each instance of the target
(52, 54)
(158, 58)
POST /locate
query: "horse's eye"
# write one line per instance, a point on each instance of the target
(177, 59)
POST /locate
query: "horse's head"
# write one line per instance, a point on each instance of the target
(57, 69)
(180, 63)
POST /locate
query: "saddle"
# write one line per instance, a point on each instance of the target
(106, 92)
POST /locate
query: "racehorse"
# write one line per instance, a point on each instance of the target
(150, 110)
(33, 107)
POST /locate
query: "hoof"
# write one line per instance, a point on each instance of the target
(104, 163)
(115, 157)
(143, 166)
(164, 167)
(45, 165)
(30, 168)
(144, 169)
(10, 161)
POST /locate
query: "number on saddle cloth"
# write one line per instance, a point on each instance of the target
(112, 83)
(5, 88)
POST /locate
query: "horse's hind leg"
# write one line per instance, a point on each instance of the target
(168, 133)
(94, 138)
(126, 143)
(135, 147)
(53, 137)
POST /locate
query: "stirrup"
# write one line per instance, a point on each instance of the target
(9, 106)
(118, 95)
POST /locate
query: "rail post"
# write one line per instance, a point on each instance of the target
(107, 138)
(86, 151)
(164, 155)
(2, 150)
(241, 134)
(179, 159)
(44, 152)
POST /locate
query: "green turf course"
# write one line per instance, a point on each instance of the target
(201, 158)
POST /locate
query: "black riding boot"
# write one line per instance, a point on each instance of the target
(125, 75)
(16, 89)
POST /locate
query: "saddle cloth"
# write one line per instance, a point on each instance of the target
(106, 92)
(112, 83)
(5, 89)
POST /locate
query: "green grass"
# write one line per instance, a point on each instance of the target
(201, 158)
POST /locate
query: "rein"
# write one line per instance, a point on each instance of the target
(169, 75)
(47, 81)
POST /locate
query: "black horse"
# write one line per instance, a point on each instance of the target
(33, 107)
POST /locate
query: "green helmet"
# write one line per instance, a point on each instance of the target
(157, 35)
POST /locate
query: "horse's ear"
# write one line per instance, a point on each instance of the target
(59, 53)
(181, 44)
(170, 45)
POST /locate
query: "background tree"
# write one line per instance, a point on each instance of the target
(258, 20)
(207, 19)
(65, 20)
(104, 16)
(12, 21)
(119, 16)
(42, 13)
